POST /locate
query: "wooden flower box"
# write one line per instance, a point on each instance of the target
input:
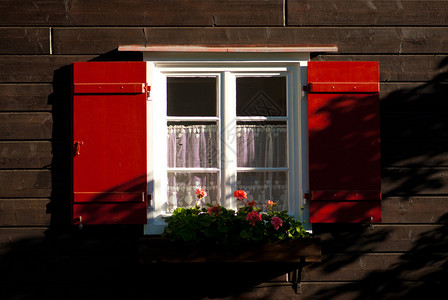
(159, 250)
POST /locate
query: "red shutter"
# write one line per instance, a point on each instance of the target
(109, 142)
(344, 142)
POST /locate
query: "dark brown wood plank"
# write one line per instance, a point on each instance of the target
(23, 155)
(431, 68)
(414, 153)
(370, 13)
(29, 126)
(142, 13)
(158, 250)
(24, 212)
(376, 286)
(414, 209)
(348, 39)
(414, 96)
(25, 97)
(414, 181)
(25, 183)
(360, 238)
(392, 68)
(25, 40)
(394, 266)
(415, 125)
(49, 68)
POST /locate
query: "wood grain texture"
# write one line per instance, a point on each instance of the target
(24, 212)
(397, 238)
(401, 68)
(25, 154)
(27, 126)
(414, 181)
(146, 13)
(368, 13)
(25, 97)
(414, 210)
(356, 267)
(388, 40)
(25, 41)
(25, 183)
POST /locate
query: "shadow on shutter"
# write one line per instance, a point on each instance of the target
(344, 142)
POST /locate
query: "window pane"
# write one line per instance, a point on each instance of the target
(264, 186)
(261, 96)
(192, 145)
(262, 144)
(182, 188)
(191, 96)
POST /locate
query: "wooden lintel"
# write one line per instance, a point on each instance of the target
(224, 49)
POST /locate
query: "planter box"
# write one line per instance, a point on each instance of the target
(159, 250)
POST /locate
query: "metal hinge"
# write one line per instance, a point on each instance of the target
(306, 88)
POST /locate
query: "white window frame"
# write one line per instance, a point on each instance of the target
(226, 66)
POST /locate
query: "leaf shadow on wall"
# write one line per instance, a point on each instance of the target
(407, 255)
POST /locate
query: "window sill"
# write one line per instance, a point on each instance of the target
(160, 250)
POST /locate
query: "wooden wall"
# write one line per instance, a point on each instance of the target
(42, 257)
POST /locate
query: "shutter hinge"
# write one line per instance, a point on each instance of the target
(307, 88)
(148, 94)
(307, 196)
(77, 147)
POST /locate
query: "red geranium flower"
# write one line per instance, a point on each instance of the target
(277, 222)
(240, 195)
(253, 217)
(200, 193)
(214, 210)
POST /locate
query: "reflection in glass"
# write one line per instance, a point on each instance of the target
(191, 96)
(261, 96)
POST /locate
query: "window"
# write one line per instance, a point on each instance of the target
(224, 122)
(226, 125)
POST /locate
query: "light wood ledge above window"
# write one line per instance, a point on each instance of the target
(226, 49)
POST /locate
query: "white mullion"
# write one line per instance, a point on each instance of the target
(228, 139)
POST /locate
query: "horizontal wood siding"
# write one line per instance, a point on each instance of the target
(138, 13)
(367, 13)
(42, 256)
(381, 40)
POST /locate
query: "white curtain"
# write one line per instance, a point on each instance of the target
(196, 146)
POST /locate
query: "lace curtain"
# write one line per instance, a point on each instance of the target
(195, 146)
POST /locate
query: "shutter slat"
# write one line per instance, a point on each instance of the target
(109, 88)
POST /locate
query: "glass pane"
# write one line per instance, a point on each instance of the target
(191, 96)
(261, 96)
(264, 186)
(262, 144)
(192, 145)
(182, 188)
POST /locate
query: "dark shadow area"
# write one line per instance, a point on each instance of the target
(421, 273)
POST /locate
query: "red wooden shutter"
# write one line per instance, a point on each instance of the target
(344, 142)
(109, 142)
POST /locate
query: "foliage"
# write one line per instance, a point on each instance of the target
(221, 226)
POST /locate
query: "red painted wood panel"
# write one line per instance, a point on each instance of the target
(344, 142)
(109, 135)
